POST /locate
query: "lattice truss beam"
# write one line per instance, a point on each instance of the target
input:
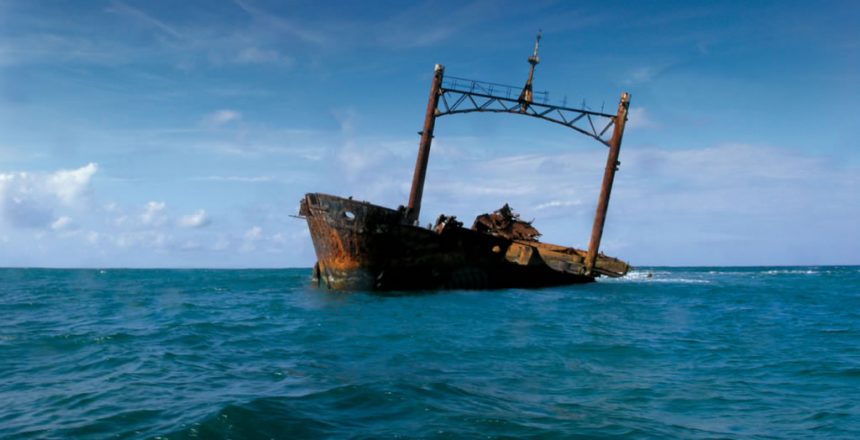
(458, 95)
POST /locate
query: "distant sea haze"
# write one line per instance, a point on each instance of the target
(737, 353)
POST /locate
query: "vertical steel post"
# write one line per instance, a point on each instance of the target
(606, 187)
(414, 207)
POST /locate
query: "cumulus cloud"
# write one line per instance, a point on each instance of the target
(69, 185)
(254, 234)
(154, 214)
(198, 219)
(252, 237)
(30, 199)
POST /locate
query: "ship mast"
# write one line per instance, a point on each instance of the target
(413, 209)
(453, 95)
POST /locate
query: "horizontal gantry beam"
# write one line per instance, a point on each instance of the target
(464, 96)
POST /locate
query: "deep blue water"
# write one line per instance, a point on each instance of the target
(688, 353)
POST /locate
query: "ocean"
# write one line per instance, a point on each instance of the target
(753, 352)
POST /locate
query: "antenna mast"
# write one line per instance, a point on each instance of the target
(527, 95)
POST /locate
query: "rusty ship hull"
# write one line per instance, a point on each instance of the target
(361, 246)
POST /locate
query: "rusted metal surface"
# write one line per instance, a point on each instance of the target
(506, 223)
(361, 246)
(608, 178)
(413, 209)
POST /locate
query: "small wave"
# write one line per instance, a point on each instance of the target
(791, 272)
(636, 275)
(681, 281)
(657, 277)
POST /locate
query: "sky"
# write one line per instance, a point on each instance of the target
(184, 134)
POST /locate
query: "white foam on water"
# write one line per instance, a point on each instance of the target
(654, 277)
(636, 275)
(790, 272)
(680, 281)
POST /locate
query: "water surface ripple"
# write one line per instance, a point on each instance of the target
(686, 353)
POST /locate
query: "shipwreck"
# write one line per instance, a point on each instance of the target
(361, 246)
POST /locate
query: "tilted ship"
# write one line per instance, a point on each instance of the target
(361, 246)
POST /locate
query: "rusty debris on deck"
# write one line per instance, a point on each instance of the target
(506, 223)
(361, 246)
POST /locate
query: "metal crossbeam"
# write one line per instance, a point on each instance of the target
(459, 95)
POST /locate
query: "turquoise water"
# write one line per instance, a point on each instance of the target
(687, 353)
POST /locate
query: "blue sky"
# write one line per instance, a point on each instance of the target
(184, 134)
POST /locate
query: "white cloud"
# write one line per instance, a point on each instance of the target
(254, 234)
(117, 216)
(190, 245)
(30, 199)
(154, 214)
(69, 185)
(282, 24)
(239, 179)
(198, 219)
(220, 243)
(253, 55)
(143, 18)
(62, 223)
(557, 204)
(252, 237)
(639, 117)
(279, 238)
(221, 117)
(640, 75)
(146, 239)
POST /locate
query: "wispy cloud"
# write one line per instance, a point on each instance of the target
(143, 18)
(221, 117)
(282, 24)
(640, 117)
(557, 204)
(62, 223)
(253, 55)
(639, 75)
(237, 179)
